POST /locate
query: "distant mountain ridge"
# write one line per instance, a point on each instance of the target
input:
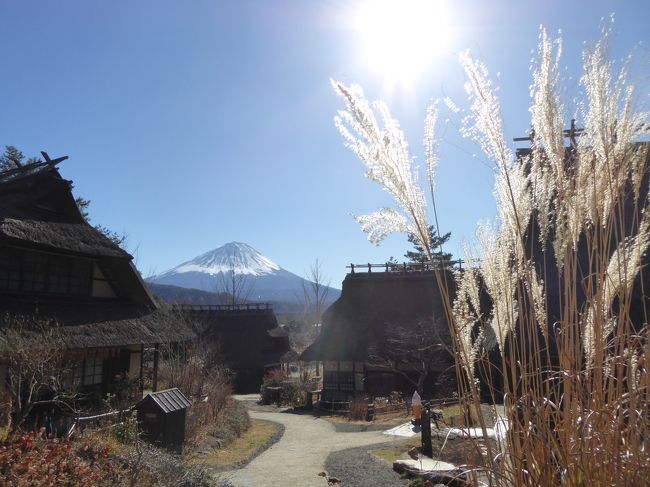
(184, 295)
(267, 280)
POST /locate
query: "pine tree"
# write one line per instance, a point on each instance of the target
(13, 158)
(435, 242)
(83, 204)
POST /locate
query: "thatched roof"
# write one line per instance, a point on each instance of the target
(39, 212)
(97, 324)
(79, 238)
(41, 194)
(37, 209)
(369, 303)
(247, 340)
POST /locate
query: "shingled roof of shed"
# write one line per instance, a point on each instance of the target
(169, 400)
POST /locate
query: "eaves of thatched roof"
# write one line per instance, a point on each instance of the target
(77, 238)
(96, 325)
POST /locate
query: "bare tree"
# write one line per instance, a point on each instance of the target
(315, 290)
(236, 285)
(36, 368)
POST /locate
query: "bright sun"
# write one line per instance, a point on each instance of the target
(400, 38)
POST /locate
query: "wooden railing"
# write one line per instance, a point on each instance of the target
(225, 308)
(340, 407)
(111, 417)
(407, 267)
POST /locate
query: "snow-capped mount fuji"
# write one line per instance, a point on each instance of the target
(237, 257)
(265, 279)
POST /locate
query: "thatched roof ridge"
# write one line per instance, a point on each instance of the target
(37, 209)
(39, 195)
(78, 238)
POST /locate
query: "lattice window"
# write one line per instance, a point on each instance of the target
(93, 371)
(86, 372)
(36, 272)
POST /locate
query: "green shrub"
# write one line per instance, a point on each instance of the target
(126, 432)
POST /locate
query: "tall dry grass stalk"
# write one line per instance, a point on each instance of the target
(562, 289)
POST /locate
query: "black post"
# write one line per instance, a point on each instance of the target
(427, 447)
(154, 380)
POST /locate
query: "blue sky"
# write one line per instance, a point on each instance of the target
(192, 124)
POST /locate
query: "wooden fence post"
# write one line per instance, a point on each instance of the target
(427, 447)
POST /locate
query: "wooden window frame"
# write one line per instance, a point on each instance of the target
(20, 278)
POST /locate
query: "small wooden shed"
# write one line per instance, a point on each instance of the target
(161, 418)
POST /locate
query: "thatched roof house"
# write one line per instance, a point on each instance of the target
(357, 329)
(247, 336)
(55, 268)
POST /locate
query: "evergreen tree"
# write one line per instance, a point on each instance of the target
(83, 204)
(435, 241)
(13, 158)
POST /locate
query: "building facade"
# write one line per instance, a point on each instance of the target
(66, 282)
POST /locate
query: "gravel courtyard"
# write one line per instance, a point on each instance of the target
(303, 451)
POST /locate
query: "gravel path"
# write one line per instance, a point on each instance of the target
(301, 453)
(358, 468)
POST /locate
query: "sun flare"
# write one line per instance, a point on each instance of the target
(400, 38)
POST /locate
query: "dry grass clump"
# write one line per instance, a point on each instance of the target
(562, 286)
(197, 371)
(564, 272)
(231, 422)
(358, 409)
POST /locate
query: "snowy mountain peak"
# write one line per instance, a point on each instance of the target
(266, 280)
(236, 257)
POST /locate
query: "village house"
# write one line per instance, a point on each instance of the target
(248, 339)
(60, 273)
(376, 302)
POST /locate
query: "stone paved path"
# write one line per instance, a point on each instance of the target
(300, 455)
